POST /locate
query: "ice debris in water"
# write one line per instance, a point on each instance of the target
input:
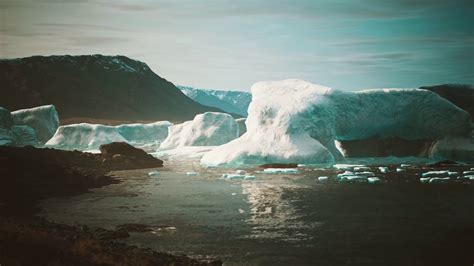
(154, 173)
(404, 165)
(468, 173)
(400, 170)
(438, 180)
(347, 166)
(240, 172)
(361, 168)
(280, 171)
(466, 177)
(366, 173)
(435, 173)
(383, 169)
(373, 180)
(323, 179)
(191, 173)
(250, 177)
(233, 176)
(354, 179)
(425, 180)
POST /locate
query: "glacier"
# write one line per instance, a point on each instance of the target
(43, 119)
(294, 121)
(236, 102)
(88, 137)
(207, 129)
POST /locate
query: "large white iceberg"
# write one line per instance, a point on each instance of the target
(43, 119)
(86, 136)
(297, 121)
(141, 134)
(208, 129)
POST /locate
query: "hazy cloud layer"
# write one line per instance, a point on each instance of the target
(232, 44)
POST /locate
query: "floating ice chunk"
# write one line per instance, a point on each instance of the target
(280, 171)
(154, 173)
(240, 172)
(250, 177)
(466, 177)
(453, 173)
(191, 173)
(323, 179)
(343, 175)
(468, 173)
(354, 179)
(366, 173)
(373, 180)
(400, 170)
(472, 169)
(233, 176)
(404, 165)
(439, 180)
(348, 167)
(435, 174)
(425, 180)
(383, 169)
(361, 168)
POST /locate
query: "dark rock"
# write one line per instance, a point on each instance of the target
(279, 165)
(121, 155)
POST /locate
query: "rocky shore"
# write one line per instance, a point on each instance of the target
(28, 175)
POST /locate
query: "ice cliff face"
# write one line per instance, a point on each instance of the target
(32, 126)
(296, 121)
(236, 102)
(43, 119)
(208, 129)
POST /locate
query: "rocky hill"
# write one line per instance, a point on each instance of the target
(94, 87)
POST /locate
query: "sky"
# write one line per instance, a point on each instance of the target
(348, 45)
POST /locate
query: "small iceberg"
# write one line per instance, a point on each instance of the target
(435, 174)
(425, 180)
(250, 177)
(404, 165)
(280, 171)
(383, 169)
(323, 179)
(468, 173)
(373, 180)
(401, 170)
(154, 173)
(354, 179)
(233, 176)
(191, 173)
(361, 169)
(439, 180)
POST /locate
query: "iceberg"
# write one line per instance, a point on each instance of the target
(15, 135)
(43, 119)
(294, 121)
(373, 180)
(242, 126)
(208, 129)
(154, 174)
(84, 136)
(141, 134)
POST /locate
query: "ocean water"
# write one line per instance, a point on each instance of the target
(281, 219)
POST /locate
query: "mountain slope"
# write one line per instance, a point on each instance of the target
(229, 101)
(94, 87)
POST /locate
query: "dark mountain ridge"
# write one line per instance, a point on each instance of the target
(95, 87)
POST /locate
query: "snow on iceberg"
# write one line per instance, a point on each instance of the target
(208, 129)
(294, 121)
(43, 119)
